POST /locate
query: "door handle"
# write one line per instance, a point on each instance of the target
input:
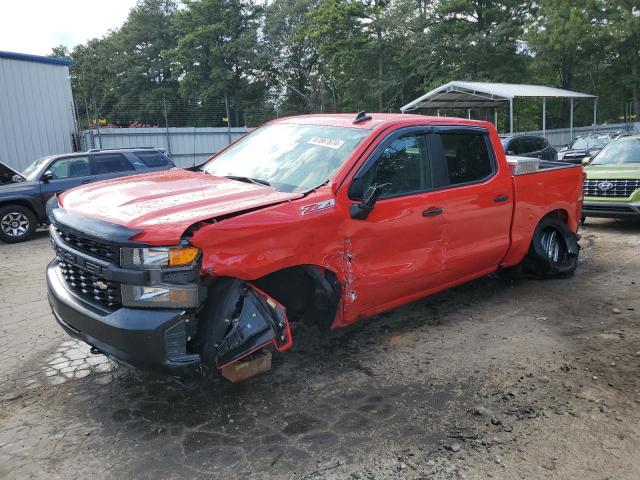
(87, 181)
(432, 212)
(501, 198)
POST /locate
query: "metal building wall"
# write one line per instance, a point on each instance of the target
(36, 111)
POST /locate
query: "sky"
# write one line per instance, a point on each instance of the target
(36, 26)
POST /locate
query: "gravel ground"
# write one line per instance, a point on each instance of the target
(534, 380)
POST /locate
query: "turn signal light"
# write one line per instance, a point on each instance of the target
(182, 256)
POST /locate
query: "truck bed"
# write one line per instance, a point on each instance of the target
(551, 186)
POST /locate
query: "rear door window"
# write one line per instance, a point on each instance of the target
(467, 157)
(516, 147)
(111, 163)
(153, 159)
(534, 144)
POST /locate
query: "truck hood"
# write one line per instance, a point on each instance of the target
(622, 171)
(162, 205)
(9, 175)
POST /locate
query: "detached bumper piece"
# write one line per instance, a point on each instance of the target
(260, 321)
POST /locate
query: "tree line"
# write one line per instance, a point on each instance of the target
(192, 59)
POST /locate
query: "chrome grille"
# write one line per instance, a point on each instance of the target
(618, 188)
(93, 247)
(90, 286)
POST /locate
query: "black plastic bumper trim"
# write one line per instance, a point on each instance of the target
(134, 337)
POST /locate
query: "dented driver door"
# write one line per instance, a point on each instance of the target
(398, 250)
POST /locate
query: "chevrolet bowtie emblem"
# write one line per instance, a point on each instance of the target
(101, 285)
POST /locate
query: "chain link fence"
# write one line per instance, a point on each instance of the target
(188, 131)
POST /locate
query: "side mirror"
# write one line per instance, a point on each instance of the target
(360, 211)
(510, 152)
(47, 176)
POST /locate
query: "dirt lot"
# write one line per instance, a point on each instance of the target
(535, 380)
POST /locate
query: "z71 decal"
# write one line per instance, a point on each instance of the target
(318, 207)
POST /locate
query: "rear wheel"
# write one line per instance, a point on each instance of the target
(17, 223)
(554, 249)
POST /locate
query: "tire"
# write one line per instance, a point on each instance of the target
(17, 223)
(554, 250)
(219, 306)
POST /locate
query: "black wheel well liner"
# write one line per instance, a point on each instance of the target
(559, 213)
(310, 291)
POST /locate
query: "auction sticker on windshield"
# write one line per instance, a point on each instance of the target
(327, 142)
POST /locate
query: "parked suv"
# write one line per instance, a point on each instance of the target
(612, 187)
(584, 148)
(23, 196)
(528, 146)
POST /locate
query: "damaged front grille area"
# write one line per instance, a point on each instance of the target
(90, 286)
(93, 247)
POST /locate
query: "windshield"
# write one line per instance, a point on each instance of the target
(620, 151)
(589, 142)
(291, 158)
(33, 170)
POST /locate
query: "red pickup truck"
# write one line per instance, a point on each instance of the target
(324, 219)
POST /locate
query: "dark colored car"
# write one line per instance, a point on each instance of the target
(23, 196)
(584, 148)
(528, 146)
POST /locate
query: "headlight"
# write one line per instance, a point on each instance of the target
(171, 296)
(158, 257)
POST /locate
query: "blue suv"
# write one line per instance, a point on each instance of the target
(23, 195)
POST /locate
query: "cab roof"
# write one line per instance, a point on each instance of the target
(377, 121)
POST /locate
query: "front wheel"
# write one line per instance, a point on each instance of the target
(554, 250)
(17, 223)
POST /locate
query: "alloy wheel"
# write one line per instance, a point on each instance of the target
(14, 224)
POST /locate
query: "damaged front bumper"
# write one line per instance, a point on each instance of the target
(149, 339)
(157, 339)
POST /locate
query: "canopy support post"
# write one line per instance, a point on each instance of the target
(511, 115)
(544, 116)
(571, 118)
(495, 117)
(468, 113)
(595, 113)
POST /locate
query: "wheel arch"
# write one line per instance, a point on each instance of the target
(309, 292)
(23, 202)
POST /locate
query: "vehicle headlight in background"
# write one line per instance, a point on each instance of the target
(158, 257)
(155, 296)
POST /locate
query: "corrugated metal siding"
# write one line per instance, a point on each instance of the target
(36, 111)
(189, 146)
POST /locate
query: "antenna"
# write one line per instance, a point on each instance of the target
(362, 117)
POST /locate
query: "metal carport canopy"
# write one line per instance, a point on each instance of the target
(458, 94)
